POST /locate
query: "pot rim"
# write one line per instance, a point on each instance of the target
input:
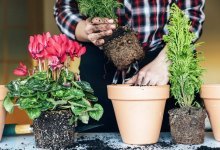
(211, 85)
(130, 85)
(125, 92)
(210, 91)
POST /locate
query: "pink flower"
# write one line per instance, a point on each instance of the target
(54, 63)
(21, 70)
(81, 51)
(37, 45)
(57, 46)
(75, 49)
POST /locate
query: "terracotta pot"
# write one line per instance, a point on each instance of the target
(211, 96)
(3, 92)
(139, 111)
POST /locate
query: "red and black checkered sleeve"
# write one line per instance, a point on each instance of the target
(195, 10)
(67, 16)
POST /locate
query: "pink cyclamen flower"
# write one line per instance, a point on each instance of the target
(54, 63)
(57, 46)
(75, 49)
(21, 70)
(37, 45)
(81, 51)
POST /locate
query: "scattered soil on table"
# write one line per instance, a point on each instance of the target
(52, 130)
(97, 144)
(187, 125)
(123, 48)
(208, 148)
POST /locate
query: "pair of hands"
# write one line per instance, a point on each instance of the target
(154, 73)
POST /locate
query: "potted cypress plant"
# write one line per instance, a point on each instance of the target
(187, 122)
(138, 109)
(3, 92)
(50, 94)
(211, 96)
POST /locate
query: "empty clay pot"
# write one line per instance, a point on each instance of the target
(211, 96)
(3, 92)
(139, 111)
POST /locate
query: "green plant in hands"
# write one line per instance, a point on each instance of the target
(185, 71)
(99, 8)
(52, 86)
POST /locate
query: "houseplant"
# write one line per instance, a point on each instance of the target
(122, 47)
(3, 92)
(187, 122)
(49, 92)
(211, 96)
(139, 110)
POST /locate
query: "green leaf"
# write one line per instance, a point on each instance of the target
(85, 86)
(66, 75)
(97, 113)
(78, 110)
(84, 118)
(85, 102)
(40, 75)
(14, 88)
(56, 103)
(77, 104)
(58, 94)
(73, 120)
(33, 113)
(91, 97)
(74, 94)
(8, 104)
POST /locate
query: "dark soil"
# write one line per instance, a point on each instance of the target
(207, 148)
(123, 48)
(187, 125)
(52, 130)
(95, 144)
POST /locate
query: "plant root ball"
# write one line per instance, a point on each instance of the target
(187, 125)
(123, 48)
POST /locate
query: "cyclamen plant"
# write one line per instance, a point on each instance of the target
(51, 85)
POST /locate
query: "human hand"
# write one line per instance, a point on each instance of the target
(154, 73)
(97, 28)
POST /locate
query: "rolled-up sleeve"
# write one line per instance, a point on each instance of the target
(194, 9)
(67, 16)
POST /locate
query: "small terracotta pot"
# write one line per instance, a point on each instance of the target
(211, 96)
(139, 111)
(3, 92)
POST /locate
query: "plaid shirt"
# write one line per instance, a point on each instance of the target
(147, 17)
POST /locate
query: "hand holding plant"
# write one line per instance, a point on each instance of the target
(98, 28)
(101, 20)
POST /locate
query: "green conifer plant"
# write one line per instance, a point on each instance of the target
(185, 70)
(187, 123)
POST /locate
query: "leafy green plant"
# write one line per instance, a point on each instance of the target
(185, 71)
(99, 8)
(52, 86)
